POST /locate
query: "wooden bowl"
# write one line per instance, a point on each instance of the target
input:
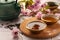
(53, 7)
(36, 26)
(49, 19)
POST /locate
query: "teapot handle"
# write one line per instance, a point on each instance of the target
(6, 0)
(16, 1)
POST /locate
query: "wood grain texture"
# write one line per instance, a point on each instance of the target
(49, 32)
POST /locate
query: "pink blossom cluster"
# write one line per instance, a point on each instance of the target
(36, 7)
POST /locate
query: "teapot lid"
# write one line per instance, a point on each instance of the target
(6, 1)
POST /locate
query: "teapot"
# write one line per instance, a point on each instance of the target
(9, 9)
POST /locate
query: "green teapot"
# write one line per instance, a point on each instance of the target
(9, 9)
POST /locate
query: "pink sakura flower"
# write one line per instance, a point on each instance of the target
(36, 8)
(38, 15)
(25, 12)
(30, 7)
(15, 32)
(37, 1)
(43, 5)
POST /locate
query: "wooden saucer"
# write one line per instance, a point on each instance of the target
(50, 31)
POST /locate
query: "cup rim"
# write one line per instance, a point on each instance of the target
(37, 29)
(54, 16)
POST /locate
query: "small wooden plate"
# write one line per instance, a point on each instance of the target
(50, 31)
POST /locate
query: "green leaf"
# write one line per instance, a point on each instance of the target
(30, 2)
(47, 7)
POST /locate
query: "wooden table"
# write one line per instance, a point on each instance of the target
(49, 32)
(25, 37)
